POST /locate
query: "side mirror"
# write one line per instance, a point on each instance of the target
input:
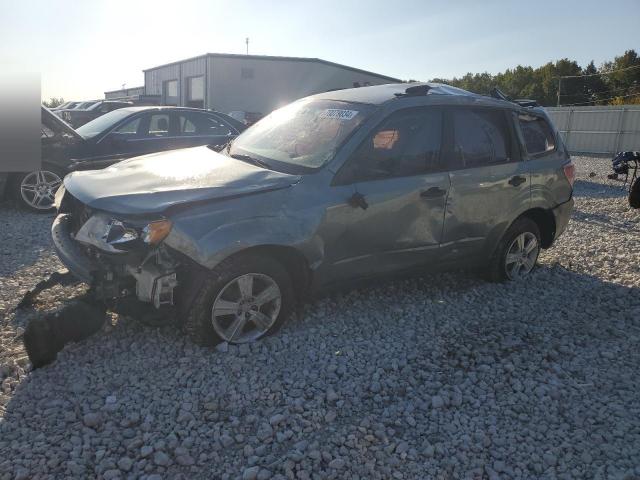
(217, 147)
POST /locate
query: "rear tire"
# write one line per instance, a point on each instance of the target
(634, 194)
(243, 299)
(517, 253)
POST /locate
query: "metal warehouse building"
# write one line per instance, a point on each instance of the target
(250, 83)
(124, 93)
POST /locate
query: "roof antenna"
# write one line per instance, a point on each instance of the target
(246, 40)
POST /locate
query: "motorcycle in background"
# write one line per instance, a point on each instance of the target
(627, 163)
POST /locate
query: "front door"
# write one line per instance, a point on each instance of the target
(400, 185)
(490, 185)
(142, 134)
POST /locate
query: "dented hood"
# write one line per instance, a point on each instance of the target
(156, 182)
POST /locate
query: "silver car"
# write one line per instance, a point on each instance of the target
(338, 186)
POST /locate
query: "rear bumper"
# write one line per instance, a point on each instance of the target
(562, 214)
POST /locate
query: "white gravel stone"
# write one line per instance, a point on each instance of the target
(444, 376)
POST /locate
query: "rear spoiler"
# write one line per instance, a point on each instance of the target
(523, 102)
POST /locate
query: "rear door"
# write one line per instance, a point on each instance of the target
(199, 128)
(400, 186)
(157, 132)
(546, 157)
(490, 185)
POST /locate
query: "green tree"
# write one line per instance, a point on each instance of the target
(53, 102)
(624, 81)
(593, 86)
(583, 86)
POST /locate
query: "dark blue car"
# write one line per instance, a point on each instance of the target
(115, 136)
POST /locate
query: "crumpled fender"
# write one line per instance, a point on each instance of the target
(227, 239)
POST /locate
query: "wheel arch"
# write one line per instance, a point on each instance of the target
(546, 222)
(542, 217)
(292, 259)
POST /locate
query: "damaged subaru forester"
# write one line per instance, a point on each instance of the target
(338, 186)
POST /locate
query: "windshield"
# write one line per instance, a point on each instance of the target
(102, 123)
(305, 134)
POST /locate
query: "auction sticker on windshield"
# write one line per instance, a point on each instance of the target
(338, 114)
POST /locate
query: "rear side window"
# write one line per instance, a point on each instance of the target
(407, 143)
(537, 134)
(195, 124)
(480, 138)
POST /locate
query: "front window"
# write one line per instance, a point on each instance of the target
(305, 134)
(100, 124)
(407, 143)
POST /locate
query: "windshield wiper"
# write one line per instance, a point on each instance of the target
(250, 159)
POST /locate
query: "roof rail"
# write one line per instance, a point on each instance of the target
(524, 102)
(500, 95)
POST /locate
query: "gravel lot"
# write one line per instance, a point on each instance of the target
(441, 377)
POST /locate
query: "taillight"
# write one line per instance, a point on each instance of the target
(570, 172)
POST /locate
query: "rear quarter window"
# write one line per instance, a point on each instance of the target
(537, 134)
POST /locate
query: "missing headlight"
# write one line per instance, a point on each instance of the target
(117, 233)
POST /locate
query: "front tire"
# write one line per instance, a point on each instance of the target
(36, 190)
(243, 299)
(517, 253)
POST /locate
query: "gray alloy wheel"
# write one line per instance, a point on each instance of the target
(38, 189)
(246, 308)
(521, 255)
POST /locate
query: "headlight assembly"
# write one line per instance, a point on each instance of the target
(117, 233)
(117, 236)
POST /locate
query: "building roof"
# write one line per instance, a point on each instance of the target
(276, 58)
(125, 89)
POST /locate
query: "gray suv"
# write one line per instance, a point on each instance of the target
(338, 186)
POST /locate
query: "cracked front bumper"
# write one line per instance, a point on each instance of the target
(151, 277)
(69, 252)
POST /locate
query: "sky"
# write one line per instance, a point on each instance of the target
(83, 48)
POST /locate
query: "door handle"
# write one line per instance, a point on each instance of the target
(517, 180)
(433, 192)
